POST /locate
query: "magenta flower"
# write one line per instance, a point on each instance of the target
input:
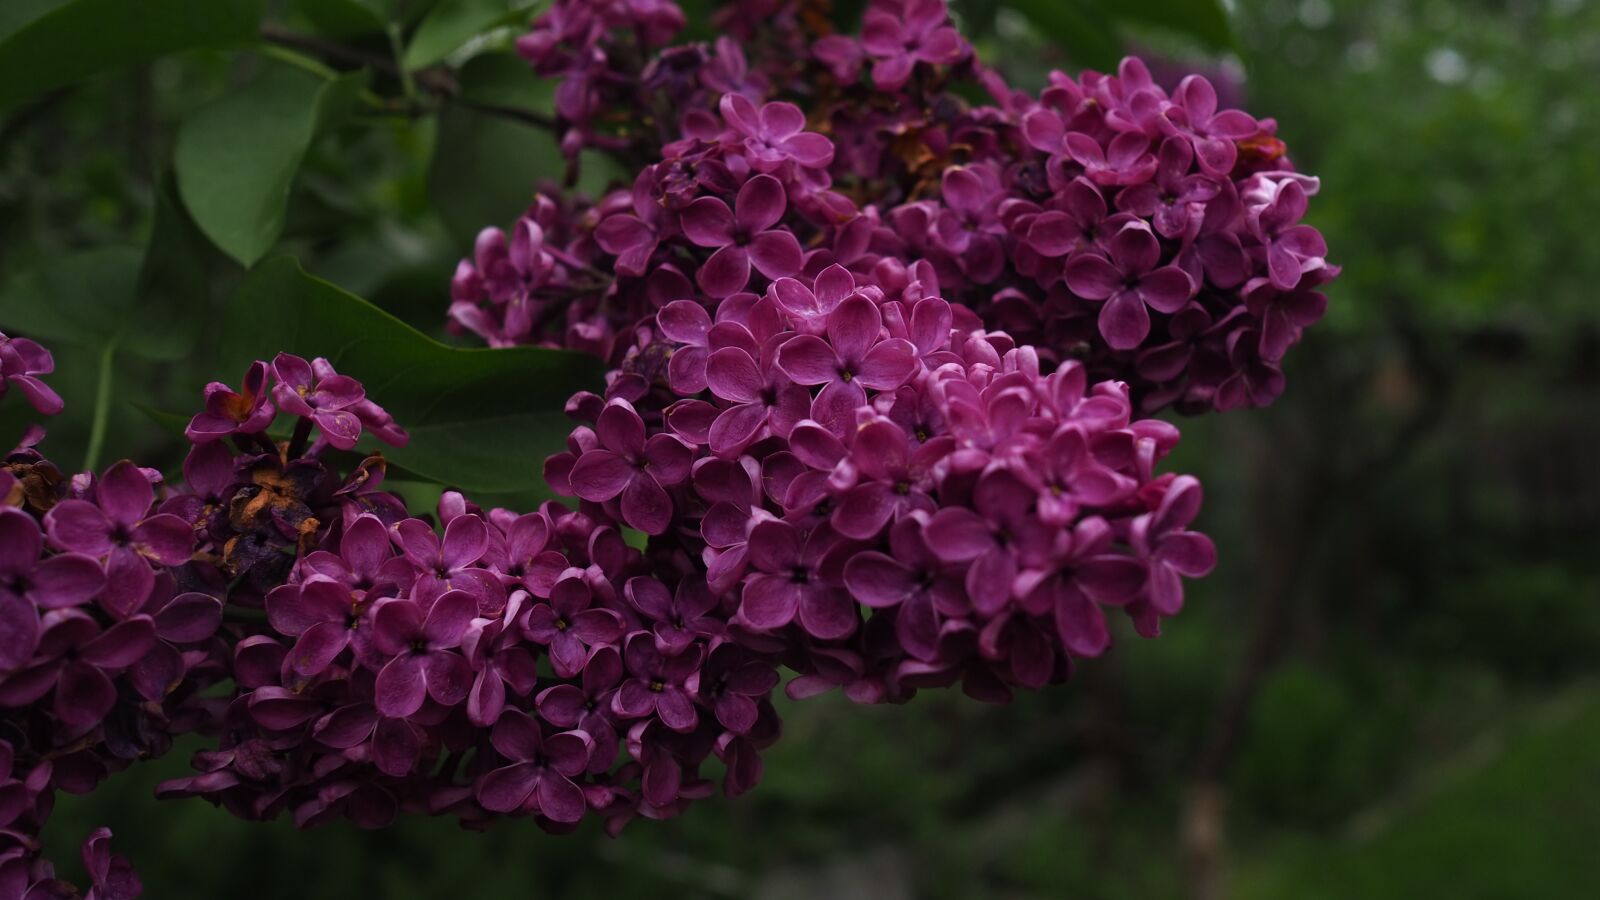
(775, 134)
(447, 564)
(539, 778)
(633, 239)
(787, 585)
(920, 34)
(586, 705)
(1129, 281)
(502, 662)
(313, 390)
(687, 324)
(1174, 199)
(853, 357)
(627, 465)
(914, 582)
(21, 363)
(322, 616)
(742, 237)
(1194, 113)
(528, 561)
(118, 528)
(762, 397)
(246, 411)
(1072, 224)
(655, 683)
(422, 648)
(26, 581)
(568, 626)
(1292, 249)
(895, 479)
(680, 616)
(732, 681)
(1169, 551)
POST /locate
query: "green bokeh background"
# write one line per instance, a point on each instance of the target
(1387, 690)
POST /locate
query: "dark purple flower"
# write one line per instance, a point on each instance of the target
(787, 583)
(732, 681)
(633, 238)
(627, 465)
(919, 33)
(502, 662)
(655, 683)
(1129, 281)
(422, 645)
(586, 705)
(21, 362)
(246, 411)
(569, 626)
(1073, 222)
(78, 659)
(447, 564)
(854, 357)
(895, 478)
(742, 237)
(680, 616)
(775, 134)
(322, 615)
(1175, 197)
(1170, 551)
(542, 767)
(762, 397)
(911, 580)
(119, 528)
(66, 579)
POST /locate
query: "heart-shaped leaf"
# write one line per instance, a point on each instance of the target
(236, 159)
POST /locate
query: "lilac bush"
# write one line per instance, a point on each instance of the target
(880, 361)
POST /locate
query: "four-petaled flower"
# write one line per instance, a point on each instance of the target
(627, 465)
(743, 236)
(1129, 281)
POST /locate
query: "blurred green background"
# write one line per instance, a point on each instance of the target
(1387, 690)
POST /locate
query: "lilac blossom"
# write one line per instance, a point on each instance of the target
(21, 363)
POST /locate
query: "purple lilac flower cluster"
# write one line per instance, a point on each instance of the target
(1148, 234)
(515, 665)
(103, 650)
(113, 587)
(885, 500)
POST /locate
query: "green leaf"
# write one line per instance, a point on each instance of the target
(236, 159)
(480, 420)
(85, 307)
(174, 284)
(486, 168)
(454, 22)
(1204, 20)
(86, 37)
(1081, 30)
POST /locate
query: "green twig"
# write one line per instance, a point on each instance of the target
(102, 407)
